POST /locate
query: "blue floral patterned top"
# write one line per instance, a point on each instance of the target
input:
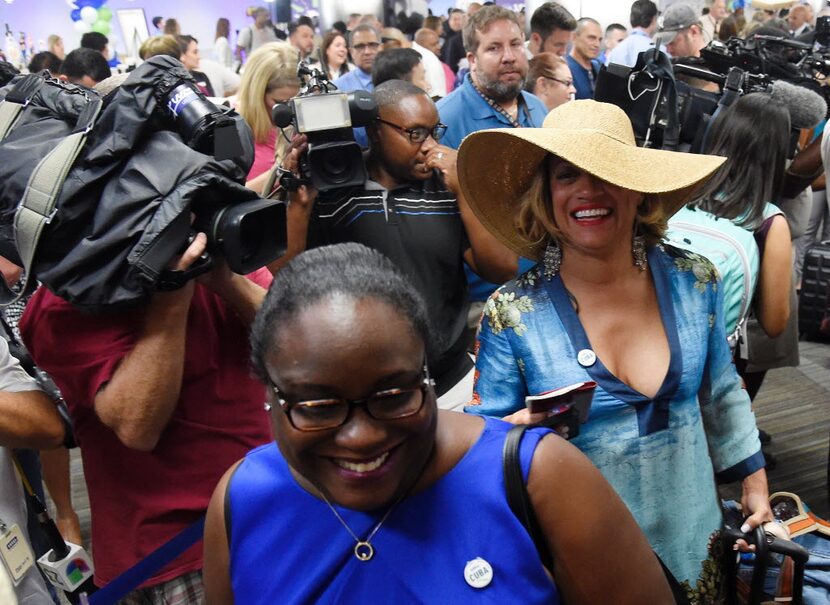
(661, 455)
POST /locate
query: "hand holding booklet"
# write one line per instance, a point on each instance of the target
(566, 407)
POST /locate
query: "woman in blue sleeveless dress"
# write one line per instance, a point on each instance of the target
(370, 494)
(609, 303)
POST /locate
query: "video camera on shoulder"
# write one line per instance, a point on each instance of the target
(334, 159)
(247, 233)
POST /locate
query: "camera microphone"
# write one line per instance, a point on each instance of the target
(67, 566)
(806, 107)
(71, 573)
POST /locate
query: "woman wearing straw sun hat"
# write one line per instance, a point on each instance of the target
(608, 302)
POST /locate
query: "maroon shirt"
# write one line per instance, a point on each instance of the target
(139, 500)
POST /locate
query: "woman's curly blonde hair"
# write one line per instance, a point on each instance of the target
(536, 225)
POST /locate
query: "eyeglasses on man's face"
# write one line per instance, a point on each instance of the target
(366, 46)
(324, 414)
(419, 134)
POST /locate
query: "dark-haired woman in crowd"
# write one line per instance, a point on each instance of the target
(190, 58)
(610, 303)
(370, 494)
(728, 29)
(754, 136)
(334, 56)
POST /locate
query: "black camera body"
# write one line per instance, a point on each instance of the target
(334, 160)
(669, 111)
(247, 234)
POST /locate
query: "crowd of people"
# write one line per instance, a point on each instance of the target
(510, 239)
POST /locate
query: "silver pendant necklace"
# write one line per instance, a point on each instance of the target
(363, 549)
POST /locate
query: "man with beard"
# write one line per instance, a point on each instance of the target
(552, 28)
(491, 95)
(680, 31)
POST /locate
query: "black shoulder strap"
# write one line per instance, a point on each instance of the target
(519, 501)
(517, 497)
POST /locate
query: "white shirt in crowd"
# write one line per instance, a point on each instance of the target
(222, 52)
(433, 70)
(31, 590)
(251, 38)
(223, 80)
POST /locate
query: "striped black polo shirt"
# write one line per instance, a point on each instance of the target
(418, 226)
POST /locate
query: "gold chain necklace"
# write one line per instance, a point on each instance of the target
(363, 549)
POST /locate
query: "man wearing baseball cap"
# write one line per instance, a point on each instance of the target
(680, 31)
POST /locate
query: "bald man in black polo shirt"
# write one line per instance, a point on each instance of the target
(410, 208)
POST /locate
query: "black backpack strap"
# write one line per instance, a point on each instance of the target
(519, 501)
(37, 208)
(16, 101)
(517, 497)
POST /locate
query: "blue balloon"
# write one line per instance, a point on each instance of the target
(92, 3)
(76, 14)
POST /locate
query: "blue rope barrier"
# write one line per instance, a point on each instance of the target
(138, 573)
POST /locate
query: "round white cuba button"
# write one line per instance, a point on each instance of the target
(478, 573)
(586, 358)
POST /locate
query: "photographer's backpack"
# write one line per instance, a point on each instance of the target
(98, 195)
(647, 94)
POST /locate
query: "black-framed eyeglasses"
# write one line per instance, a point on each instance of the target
(367, 46)
(419, 134)
(325, 414)
(566, 83)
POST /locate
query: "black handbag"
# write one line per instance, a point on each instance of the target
(519, 501)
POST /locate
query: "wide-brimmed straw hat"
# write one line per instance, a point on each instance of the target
(496, 167)
(772, 5)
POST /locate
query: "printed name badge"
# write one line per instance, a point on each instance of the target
(15, 553)
(478, 573)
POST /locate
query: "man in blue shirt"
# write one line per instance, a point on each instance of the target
(643, 26)
(582, 60)
(364, 44)
(491, 95)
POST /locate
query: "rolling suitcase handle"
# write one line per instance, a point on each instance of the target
(764, 544)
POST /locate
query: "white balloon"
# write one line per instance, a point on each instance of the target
(89, 15)
(82, 27)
